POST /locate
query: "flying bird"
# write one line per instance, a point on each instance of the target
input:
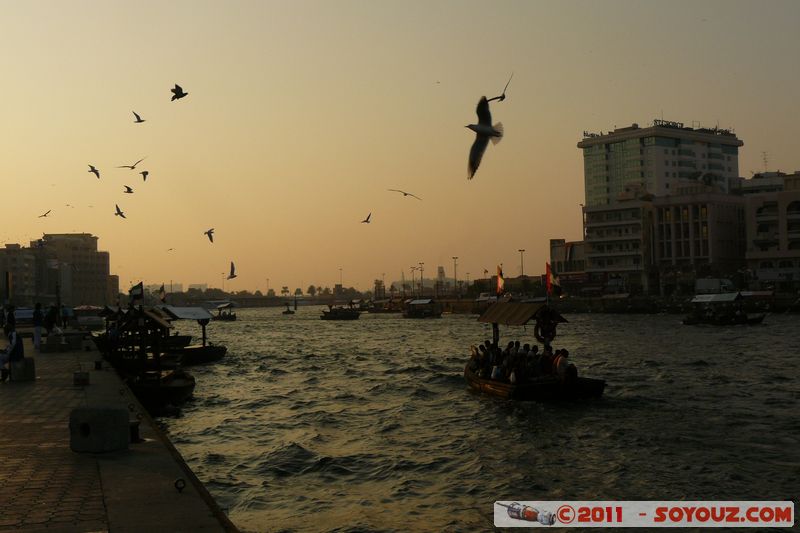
(210, 234)
(144, 174)
(233, 271)
(484, 131)
(170, 249)
(366, 220)
(127, 190)
(404, 193)
(177, 93)
(94, 171)
(139, 119)
(119, 212)
(48, 212)
(133, 166)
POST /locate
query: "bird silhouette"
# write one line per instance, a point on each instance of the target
(210, 234)
(127, 190)
(484, 131)
(133, 166)
(139, 119)
(366, 220)
(233, 271)
(404, 193)
(119, 212)
(48, 212)
(94, 171)
(177, 93)
(170, 249)
(144, 174)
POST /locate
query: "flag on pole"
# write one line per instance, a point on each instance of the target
(500, 280)
(136, 292)
(162, 294)
(551, 280)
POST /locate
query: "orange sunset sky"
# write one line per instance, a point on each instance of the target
(301, 115)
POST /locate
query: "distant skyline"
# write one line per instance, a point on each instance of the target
(300, 116)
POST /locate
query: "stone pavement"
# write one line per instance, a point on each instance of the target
(45, 486)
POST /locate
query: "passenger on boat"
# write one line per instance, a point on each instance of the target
(545, 366)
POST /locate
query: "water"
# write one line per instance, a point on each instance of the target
(312, 425)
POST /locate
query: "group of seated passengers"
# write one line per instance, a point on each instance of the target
(518, 364)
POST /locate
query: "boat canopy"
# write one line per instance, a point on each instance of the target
(717, 298)
(425, 301)
(515, 313)
(226, 305)
(186, 313)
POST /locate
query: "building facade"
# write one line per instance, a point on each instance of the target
(568, 261)
(655, 158)
(773, 236)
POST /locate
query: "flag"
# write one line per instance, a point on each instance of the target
(500, 280)
(162, 294)
(136, 292)
(553, 284)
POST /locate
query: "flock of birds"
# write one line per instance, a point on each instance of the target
(484, 132)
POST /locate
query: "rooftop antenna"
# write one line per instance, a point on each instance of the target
(765, 159)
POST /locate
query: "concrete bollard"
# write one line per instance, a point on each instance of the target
(80, 379)
(24, 370)
(98, 429)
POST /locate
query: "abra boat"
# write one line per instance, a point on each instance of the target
(422, 308)
(726, 309)
(539, 388)
(340, 312)
(224, 312)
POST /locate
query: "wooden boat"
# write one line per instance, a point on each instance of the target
(157, 389)
(726, 309)
(544, 388)
(289, 311)
(224, 312)
(422, 308)
(539, 389)
(724, 320)
(198, 354)
(340, 312)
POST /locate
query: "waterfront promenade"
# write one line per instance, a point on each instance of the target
(45, 486)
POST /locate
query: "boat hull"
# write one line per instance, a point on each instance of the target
(724, 321)
(157, 390)
(540, 390)
(199, 355)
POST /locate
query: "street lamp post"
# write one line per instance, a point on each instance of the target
(521, 262)
(421, 280)
(341, 286)
(455, 276)
(413, 288)
(223, 281)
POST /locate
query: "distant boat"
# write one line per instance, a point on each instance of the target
(422, 308)
(224, 312)
(340, 312)
(288, 311)
(725, 309)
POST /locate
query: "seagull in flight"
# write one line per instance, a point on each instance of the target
(177, 93)
(210, 234)
(119, 212)
(127, 190)
(484, 131)
(233, 271)
(94, 171)
(170, 249)
(404, 193)
(48, 212)
(144, 174)
(133, 166)
(366, 220)
(139, 119)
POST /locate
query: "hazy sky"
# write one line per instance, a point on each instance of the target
(301, 114)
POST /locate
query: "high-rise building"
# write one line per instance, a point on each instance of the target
(654, 158)
(18, 269)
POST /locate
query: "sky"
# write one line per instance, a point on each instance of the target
(301, 114)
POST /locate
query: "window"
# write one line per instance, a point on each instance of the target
(666, 186)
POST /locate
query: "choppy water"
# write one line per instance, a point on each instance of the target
(312, 425)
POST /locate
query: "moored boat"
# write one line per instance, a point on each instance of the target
(199, 355)
(725, 309)
(422, 308)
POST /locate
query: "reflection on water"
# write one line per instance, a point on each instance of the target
(311, 425)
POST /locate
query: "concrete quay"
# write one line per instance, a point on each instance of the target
(45, 486)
